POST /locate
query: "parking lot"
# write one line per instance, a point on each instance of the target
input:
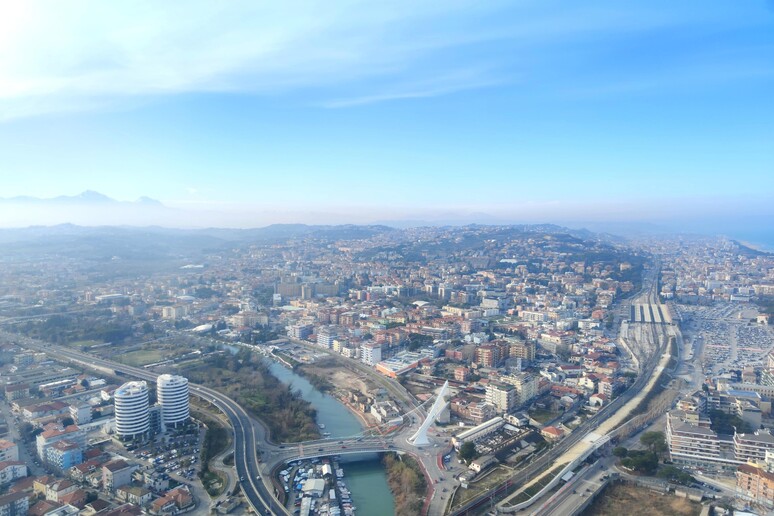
(727, 338)
(176, 454)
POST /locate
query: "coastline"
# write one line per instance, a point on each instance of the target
(760, 248)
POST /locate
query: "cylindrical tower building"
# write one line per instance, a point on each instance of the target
(172, 393)
(131, 409)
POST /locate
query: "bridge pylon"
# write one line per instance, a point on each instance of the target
(420, 437)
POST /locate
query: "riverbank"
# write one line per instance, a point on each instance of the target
(248, 380)
(407, 483)
(366, 475)
(330, 377)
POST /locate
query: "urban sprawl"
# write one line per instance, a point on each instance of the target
(520, 368)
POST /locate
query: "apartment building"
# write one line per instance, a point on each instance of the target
(755, 485)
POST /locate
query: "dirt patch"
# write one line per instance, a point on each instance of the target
(341, 377)
(638, 501)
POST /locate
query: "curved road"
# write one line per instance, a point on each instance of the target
(245, 442)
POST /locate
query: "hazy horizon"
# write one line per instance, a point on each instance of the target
(244, 115)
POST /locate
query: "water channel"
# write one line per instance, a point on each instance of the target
(364, 474)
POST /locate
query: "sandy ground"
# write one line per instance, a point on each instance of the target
(637, 501)
(345, 381)
(341, 377)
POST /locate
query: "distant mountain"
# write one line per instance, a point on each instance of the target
(89, 197)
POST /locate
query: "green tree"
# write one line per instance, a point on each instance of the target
(620, 452)
(641, 461)
(655, 441)
(675, 475)
(25, 431)
(467, 451)
(723, 423)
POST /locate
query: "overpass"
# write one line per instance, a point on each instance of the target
(258, 495)
(254, 475)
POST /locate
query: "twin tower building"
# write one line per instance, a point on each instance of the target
(137, 419)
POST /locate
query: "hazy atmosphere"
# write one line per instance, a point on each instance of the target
(386, 258)
(244, 113)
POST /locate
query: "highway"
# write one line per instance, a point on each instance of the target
(245, 442)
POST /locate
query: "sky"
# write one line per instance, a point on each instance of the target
(245, 113)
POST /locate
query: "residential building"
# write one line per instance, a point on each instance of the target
(8, 450)
(523, 350)
(138, 495)
(81, 413)
(488, 356)
(12, 470)
(48, 438)
(526, 386)
(755, 485)
(62, 455)
(115, 474)
(371, 353)
(56, 490)
(502, 396)
(698, 446)
(752, 447)
(17, 391)
(14, 504)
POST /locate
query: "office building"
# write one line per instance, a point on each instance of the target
(131, 410)
(172, 394)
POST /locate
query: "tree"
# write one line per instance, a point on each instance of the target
(655, 441)
(675, 475)
(25, 431)
(723, 423)
(467, 451)
(620, 452)
(67, 421)
(641, 461)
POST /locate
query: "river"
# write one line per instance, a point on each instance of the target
(364, 474)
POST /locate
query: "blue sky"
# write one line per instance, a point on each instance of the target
(520, 111)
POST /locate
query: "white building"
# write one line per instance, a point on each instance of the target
(371, 353)
(526, 386)
(172, 393)
(81, 413)
(131, 410)
(8, 450)
(477, 432)
(502, 396)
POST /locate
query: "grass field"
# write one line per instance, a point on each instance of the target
(140, 358)
(542, 415)
(630, 500)
(82, 344)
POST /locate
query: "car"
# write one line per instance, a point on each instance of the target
(242, 479)
(319, 449)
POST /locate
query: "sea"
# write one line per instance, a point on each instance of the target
(762, 240)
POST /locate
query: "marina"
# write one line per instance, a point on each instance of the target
(317, 487)
(365, 487)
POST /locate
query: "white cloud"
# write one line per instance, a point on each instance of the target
(70, 56)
